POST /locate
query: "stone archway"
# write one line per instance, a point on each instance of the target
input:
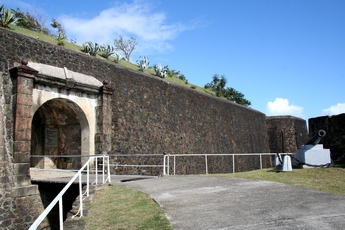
(35, 84)
(59, 128)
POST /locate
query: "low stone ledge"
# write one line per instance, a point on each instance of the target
(25, 191)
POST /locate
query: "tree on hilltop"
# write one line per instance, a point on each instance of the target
(126, 47)
(218, 84)
(29, 21)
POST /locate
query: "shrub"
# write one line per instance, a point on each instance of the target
(61, 39)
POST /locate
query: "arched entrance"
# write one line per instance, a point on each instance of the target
(59, 135)
(55, 102)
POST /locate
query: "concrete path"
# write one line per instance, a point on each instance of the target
(201, 202)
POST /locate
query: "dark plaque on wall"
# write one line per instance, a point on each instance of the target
(51, 138)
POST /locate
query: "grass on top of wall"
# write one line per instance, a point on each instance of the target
(77, 48)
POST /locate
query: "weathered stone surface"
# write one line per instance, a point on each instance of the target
(64, 73)
(335, 134)
(21, 180)
(24, 191)
(21, 168)
(21, 157)
(286, 133)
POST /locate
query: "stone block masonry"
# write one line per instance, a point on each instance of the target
(142, 114)
(286, 133)
(151, 115)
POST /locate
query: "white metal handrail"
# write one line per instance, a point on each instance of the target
(58, 198)
(166, 159)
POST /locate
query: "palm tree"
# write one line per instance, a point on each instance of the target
(217, 85)
(7, 17)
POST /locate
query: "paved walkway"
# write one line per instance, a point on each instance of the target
(201, 202)
(206, 202)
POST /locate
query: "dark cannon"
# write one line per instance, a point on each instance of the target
(312, 154)
(316, 138)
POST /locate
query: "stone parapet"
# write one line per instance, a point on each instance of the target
(286, 133)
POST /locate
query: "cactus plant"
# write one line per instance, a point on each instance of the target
(143, 63)
(7, 17)
(107, 51)
(90, 48)
(117, 58)
(160, 71)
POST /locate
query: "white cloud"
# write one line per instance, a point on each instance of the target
(334, 109)
(137, 19)
(282, 106)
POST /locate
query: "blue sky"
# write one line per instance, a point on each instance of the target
(286, 56)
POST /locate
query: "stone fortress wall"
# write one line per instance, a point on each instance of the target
(148, 115)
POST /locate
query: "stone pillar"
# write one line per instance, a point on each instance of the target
(104, 118)
(21, 202)
(107, 92)
(23, 79)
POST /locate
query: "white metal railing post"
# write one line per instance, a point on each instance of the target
(103, 169)
(60, 214)
(164, 165)
(168, 165)
(108, 170)
(233, 163)
(88, 179)
(174, 165)
(206, 163)
(260, 161)
(96, 173)
(80, 195)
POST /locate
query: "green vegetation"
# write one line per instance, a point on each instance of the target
(107, 51)
(217, 85)
(126, 46)
(90, 48)
(173, 76)
(143, 63)
(116, 207)
(32, 22)
(32, 26)
(7, 17)
(160, 71)
(324, 179)
(61, 39)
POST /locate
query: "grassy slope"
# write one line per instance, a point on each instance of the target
(324, 179)
(117, 207)
(78, 48)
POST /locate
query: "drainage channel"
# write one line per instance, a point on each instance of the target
(135, 179)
